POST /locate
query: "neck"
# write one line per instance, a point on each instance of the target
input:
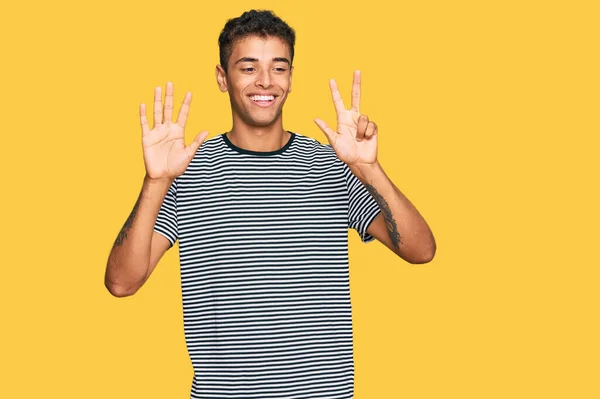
(259, 138)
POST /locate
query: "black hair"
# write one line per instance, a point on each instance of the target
(262, 23)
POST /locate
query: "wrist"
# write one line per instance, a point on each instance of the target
(153, 187)
(158, 181)
(366, 172)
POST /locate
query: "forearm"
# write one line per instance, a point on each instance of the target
(408, 234)
(129, 259)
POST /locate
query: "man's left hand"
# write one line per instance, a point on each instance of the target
(355, 141)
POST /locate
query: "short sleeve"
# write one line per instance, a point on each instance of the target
(362, 207)
(166, 221)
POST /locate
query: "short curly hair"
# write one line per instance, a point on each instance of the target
(262, 23)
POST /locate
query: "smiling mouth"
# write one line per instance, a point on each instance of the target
(262, 99)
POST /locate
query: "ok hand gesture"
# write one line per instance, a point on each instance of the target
(355, 141)
(165, 152)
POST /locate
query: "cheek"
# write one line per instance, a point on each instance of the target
(285, 85)
(239, 93)
(237, 85)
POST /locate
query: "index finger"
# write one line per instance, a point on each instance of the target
(356, 92)
(185, 110)
(337, 97)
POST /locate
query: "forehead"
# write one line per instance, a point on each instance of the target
(261, 48)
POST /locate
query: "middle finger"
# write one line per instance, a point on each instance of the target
(168, 115)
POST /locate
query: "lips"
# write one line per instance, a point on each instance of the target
(257, 97)
(263, 100)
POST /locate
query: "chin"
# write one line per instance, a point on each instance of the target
(262, 122)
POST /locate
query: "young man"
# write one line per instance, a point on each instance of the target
(262, 217)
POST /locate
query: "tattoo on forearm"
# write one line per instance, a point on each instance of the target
(390, 223)
(123, 233)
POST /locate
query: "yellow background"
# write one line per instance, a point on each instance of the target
(488, 122)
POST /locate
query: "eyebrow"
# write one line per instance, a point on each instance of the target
(250, 59)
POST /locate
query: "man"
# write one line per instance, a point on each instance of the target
(262, 217)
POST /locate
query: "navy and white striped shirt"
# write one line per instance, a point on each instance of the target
(263, 246)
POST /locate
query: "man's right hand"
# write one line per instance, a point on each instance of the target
(165, 153)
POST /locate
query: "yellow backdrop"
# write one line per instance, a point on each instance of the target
(488, 122)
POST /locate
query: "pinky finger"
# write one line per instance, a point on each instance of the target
(144, 120)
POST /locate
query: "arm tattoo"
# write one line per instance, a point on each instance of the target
(390, 223)
(123, 233)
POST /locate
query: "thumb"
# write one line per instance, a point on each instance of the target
(194, 145)
(327, 130)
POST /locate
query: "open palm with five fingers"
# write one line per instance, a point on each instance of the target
(165, 152)
(355, 141)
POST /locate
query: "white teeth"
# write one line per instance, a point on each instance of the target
(262, 98)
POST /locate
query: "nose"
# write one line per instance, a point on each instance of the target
(263, 78)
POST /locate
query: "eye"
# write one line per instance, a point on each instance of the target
(280, 69)
(249, 69)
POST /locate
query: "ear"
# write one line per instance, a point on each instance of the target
(290, 86)
(221, 78)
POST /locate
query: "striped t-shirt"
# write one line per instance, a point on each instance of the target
(263, 247)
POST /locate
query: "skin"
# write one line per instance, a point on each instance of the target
(256, 66)
(138, 248)
(400, 227)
